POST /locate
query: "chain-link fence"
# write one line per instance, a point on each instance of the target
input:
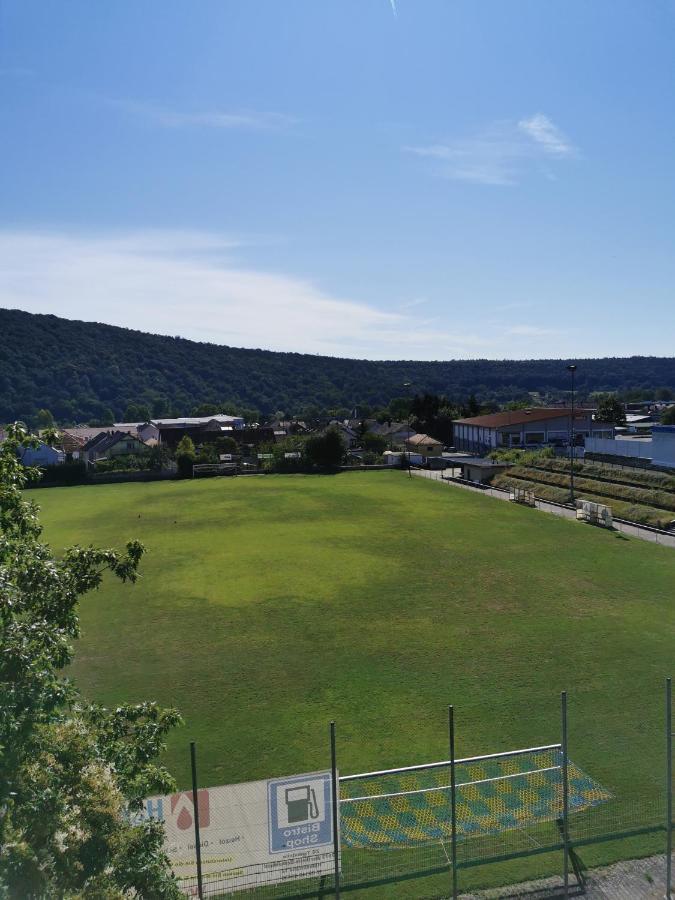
(595, 794)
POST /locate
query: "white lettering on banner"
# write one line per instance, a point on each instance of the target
(259, 832)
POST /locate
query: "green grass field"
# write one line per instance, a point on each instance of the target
(269, 606)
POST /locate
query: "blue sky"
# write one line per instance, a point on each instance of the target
(424, 179)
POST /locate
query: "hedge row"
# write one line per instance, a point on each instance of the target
(657, 480)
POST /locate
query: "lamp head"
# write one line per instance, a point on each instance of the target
(571, 368)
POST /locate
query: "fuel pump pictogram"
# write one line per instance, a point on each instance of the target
(301, 804)
(298, 810)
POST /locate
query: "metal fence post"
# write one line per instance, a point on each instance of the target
(669, 787)
(336, 803)
(565, 785)
(453, 799)
(195, 804)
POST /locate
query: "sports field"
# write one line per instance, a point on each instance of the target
(271, 605)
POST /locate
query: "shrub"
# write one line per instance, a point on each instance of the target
(325, 450)
(185, 457)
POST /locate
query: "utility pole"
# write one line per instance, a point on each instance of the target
(407, 385)
(572, 369)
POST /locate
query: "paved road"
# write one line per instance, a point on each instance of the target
(667, 540)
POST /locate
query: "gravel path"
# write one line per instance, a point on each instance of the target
(639, 879)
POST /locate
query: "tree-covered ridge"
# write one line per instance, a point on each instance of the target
(84, 370)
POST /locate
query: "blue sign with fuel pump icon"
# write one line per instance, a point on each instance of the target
(300, 812)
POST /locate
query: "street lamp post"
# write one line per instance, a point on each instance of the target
(407, 385)
(572, 369)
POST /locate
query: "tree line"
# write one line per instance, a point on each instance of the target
(83, 371)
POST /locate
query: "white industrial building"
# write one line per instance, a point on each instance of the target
(527, 429)
(658, 451)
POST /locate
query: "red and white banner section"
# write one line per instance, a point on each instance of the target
(252, 834)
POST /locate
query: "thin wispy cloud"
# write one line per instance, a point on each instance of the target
(542, 130)
(190, 283)
(393, 8)
(216, 119)
(502, 153)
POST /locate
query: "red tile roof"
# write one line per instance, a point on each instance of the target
(422, 439)
(521, 416)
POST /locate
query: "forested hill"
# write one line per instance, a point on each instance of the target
(84, 370)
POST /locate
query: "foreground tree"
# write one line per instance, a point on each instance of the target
(70, 771)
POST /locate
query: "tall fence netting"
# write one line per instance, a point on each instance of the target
(395, 825)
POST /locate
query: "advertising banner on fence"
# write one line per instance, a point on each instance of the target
(259, 832)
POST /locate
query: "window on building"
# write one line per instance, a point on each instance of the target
(534, 437)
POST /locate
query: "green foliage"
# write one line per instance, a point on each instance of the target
(159, 457)
(278, 450)
(127, 462)
(206, 453)
(433, 415)
(185, 456)
(69, 769)
(399, 409)
(94, 367)
(668, 416)
(137, 412)
(205, 409)
(69, 472)
(518, 404)
(250, 414)
(611, 410)
(374, 443)
(325, 450)
(226, 445)
(44, 419)
(103, 421)
(522, 457)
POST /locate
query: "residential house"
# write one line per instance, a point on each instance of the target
(284, 427)
(527, 429)
(424, 445)
(396, 433)
(146, 431)
(43, 455)
(73, 439)
(110, 444)
(346, 432)
(201, 429)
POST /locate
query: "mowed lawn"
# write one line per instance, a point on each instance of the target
(269, 606)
